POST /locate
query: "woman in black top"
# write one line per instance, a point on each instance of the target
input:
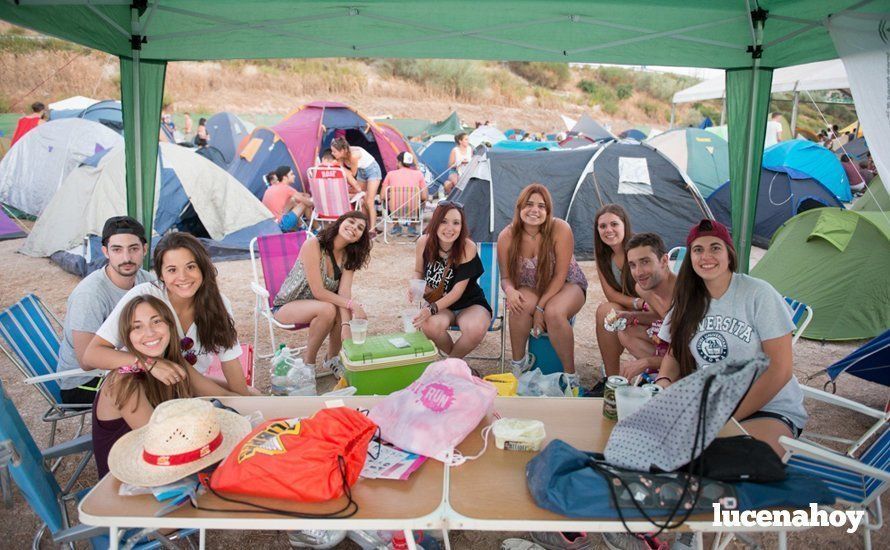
(446, 252)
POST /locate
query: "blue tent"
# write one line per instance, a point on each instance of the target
(510, 145)
(779, 198)
(633, 133)
(870, 362)
(214, 155)
(435, 155)
(706, 123)
(106, 112)
(802, 159)
(226, 132)
(262, 154)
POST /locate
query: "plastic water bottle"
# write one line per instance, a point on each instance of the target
(300, 378)
(280, 366)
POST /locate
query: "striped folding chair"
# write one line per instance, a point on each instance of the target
(676, 255)
(402, 205)
(490, 281)
(801, 314)
(857, 483)
(32, 344)
(277, 254)
(330, 194)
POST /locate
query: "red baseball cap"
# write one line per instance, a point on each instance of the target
(709, 228)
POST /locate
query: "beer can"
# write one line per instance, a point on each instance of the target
(654, 389)
(610, 407)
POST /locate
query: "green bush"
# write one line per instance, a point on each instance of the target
(547, 75)
(615, 76)
(609, 107)
(457, 78)
(624, 91)
(587, 86)
(651, 108)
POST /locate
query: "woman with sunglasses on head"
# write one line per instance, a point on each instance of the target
(542, 282)
(447, 260)
(130, 393)
(204, 320)
(318, 289)
(719, 315)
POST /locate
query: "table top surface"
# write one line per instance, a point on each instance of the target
(493, 487)
(417, 497)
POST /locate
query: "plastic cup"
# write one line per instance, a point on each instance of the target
(417, 288)
(359, 329)
(408, 321)
(629, 399)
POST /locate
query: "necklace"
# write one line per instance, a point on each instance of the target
(532, 237)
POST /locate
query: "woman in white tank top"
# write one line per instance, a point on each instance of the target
(363, 172)
(458, 160)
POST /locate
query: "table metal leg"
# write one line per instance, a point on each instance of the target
(445, 540)
(113, 538)
(783, 540)
(202, 539)
(409, 539)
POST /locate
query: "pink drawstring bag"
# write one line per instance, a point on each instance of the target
(435, 413)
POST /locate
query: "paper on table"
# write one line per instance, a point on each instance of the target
(390, 463)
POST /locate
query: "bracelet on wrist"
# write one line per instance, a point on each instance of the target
(344, 324)
(668, 378)
(539, 308)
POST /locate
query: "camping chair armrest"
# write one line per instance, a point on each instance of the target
(797, 446)
(63, 374)
(357, 198)
(831, 399)
(75, 446)
(259, 291)
(78, 533)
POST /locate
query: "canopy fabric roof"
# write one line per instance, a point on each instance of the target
(823, 75)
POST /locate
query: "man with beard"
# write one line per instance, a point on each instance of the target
(647, 260)
(93, 299)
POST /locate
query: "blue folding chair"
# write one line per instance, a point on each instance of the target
(33, 347)
(801, 315)
(857, 483)
(490, 281)
(41, 490)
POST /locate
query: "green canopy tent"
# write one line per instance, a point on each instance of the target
(450, 125)
(747, 38)
(836, 261)
(408, 127)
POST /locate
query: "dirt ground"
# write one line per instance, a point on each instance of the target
(380, 287)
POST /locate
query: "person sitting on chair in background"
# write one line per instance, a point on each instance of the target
(647, 262)
(318, 289)
(94, 298)
(719, 315)
(448, 261)
(611, 232)
(129, 397)
(364, 171)
(458, 160)
(202, 137)
(857, 179)
(406, 176)
(286, 203)
(542, 282)
(187, 282)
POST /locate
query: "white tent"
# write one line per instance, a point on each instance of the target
(77, 102)
(824, 75)
(91, 195)
(486, 134)
(37, 164)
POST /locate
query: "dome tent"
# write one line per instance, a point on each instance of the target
(838, 262)
(779, 198)
(657, 196)
(801, 159)
(192, 194)
(35, 167)
(302, 135)
(701, 154)
(226, 131)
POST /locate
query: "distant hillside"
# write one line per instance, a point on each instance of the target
(514, 94)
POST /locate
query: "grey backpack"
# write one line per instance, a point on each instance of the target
(676, 425)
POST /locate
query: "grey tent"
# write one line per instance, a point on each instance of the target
(588, 127)
(657, 196)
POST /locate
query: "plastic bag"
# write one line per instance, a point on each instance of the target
(535, 383)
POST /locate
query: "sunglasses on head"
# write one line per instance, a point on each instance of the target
(455, 204)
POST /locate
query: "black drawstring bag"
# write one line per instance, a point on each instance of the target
(739, 458)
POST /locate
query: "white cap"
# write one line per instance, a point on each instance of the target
(407, 159)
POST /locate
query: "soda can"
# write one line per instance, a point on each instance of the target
(610, 407)
(654, 389)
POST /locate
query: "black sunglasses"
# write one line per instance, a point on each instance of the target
(458, 205)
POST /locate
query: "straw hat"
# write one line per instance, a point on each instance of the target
(183, 437)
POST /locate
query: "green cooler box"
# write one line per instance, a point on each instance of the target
(377, 367)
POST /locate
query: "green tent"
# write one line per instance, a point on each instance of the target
(450, 125)
(748, 39)
(876, 199)
(408, 127)
(838, 262)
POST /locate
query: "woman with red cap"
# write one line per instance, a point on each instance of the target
(718, 314)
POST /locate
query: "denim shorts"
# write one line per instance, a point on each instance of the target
(288, 221)
(372, 172)
(776, 416)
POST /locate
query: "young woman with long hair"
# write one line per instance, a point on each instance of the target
(363, 171)
(460, 156)
(542, 282)
(720, 315)
(611, 232)
(447, 260)
(318, 289)
(130, 393)
(204, 320)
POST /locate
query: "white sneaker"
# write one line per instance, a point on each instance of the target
(329, 367)
(522, 366)
(315, 538)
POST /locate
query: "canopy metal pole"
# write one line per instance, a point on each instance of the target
(723, 111)
(747, 216)
(673, 111)
(794, 112)
(137, 125)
